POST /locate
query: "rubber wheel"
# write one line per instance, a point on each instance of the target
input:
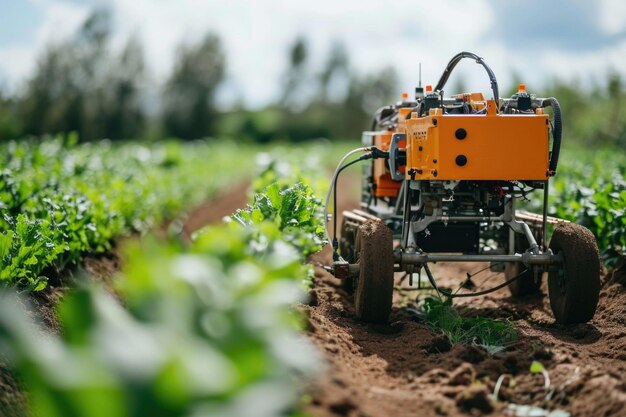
(374, 287)
(347, 250)
(575, 287)
(525, 284)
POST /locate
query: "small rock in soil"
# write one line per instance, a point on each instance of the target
(475, 398)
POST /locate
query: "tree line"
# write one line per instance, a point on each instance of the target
(81, 86)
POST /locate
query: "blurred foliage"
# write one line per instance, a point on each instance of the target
(188, 101)
(60, 200)
(590, 189)
(205, 330)
(80, 86)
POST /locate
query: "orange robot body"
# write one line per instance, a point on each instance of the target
(383, 184)
(489, 146)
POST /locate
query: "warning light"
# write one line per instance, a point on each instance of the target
(521, 88)
(429, 88)
(405, 96)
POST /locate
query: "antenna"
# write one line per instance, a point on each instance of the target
(419, 91)
(420, 84)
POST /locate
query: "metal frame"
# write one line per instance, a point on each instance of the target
(408, 256)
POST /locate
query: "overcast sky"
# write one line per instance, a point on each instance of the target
(536, 39)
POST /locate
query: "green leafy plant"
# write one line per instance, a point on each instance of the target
(294, 210)
(205, 329)
(491, 334)
(590, 189)
(70, 200)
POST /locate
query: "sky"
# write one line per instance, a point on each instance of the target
(534, 40)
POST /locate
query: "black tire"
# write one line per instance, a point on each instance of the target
(347, 250)
(575, 288)
(525, 285)
(374, 287)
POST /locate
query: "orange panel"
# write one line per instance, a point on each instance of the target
(385, 186)
(494, 147)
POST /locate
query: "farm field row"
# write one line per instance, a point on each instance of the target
(209, 326)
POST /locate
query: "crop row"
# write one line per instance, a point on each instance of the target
(59, 201)
(590, 189)
(205, 329)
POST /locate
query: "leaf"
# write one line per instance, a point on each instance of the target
(536, 367)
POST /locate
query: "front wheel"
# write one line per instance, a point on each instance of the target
(374, 287)
(574, 287)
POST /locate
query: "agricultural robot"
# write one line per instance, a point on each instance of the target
(441, 183)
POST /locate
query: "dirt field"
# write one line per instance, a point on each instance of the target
(407, 369)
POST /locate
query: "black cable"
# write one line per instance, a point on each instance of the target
(490, 290)
(557, 132)
(455, 60)
(335, 241)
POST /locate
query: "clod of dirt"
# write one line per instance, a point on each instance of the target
(439, 344)
(619, 275)
(343, 407)
(472, 354)
(463, 375)
(601, 396)
(511, 363)
(313, 301)
(393, 328)
(542, 354)
(475, 398)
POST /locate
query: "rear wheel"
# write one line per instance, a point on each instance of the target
(374, 287)
(525, 284)
(575, 286)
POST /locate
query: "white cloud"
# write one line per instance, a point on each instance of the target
(400, 34)
(15, 61)
(612, 16)
(60, 20)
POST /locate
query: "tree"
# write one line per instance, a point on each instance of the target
(336, 66)
(65, 93)
(189, 97)
(123, 114)
(296, 73)
(10, 126)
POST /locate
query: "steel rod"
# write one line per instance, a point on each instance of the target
(526, 258)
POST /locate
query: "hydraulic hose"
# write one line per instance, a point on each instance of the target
(557, 132)
(332, 183)
(372, 152)
(455, 60)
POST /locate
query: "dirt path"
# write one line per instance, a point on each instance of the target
(407, 369)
